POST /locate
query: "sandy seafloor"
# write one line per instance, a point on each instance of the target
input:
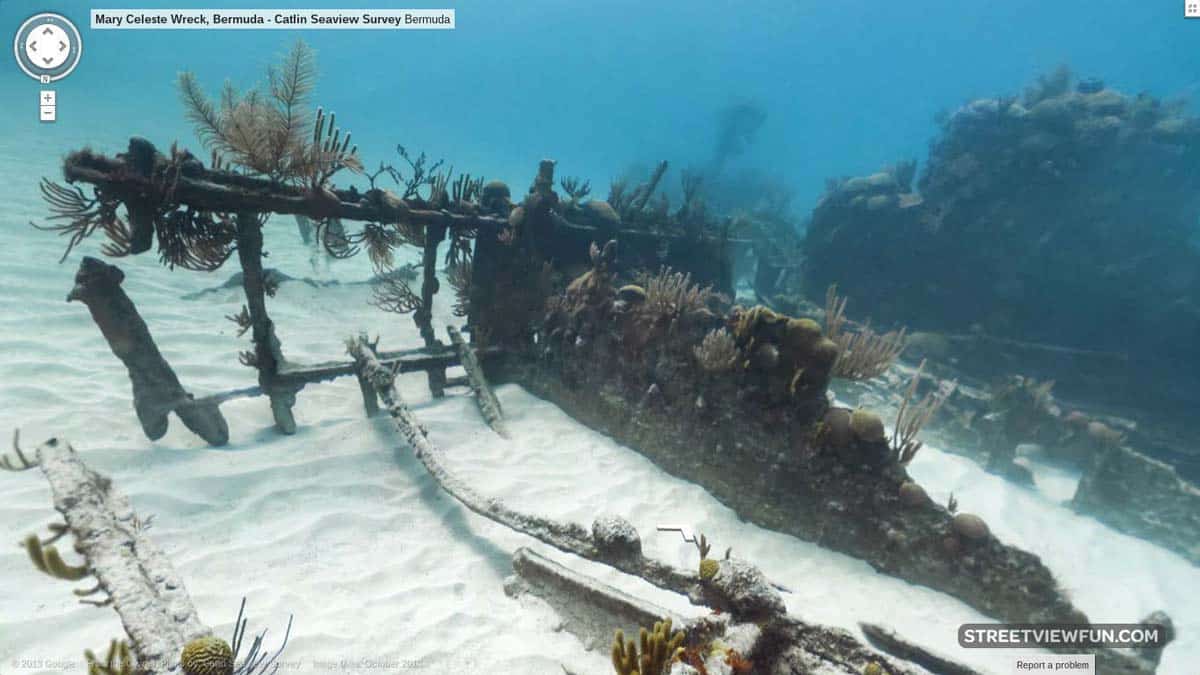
(339, 525)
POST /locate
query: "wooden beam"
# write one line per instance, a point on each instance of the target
(268, 354)
(226, 192)
(156, 389)
(489, 405)
(423, 316)
(591, 610)
(145, 590)
(888, 641)
(568, 537)
(405, 361)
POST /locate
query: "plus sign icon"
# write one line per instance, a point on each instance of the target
(47, 47)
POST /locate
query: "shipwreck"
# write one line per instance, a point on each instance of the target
(632, 331)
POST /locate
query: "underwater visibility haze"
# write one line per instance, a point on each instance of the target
(540, 337)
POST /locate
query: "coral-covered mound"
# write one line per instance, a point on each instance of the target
(1066, 216)
(734, 399)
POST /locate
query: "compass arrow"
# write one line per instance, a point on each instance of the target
(47, 31)
(33, 46)
(47, 61)
(62, 46)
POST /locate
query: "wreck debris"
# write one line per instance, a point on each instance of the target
(888, 641)
(788, 464)
(1143, 497)
(489, 405)
(396, 295)
(268, 353)
(218, 191)
(136, 578)
(156, 389)
(139, 580)
(567, 537)
(423, 316)
(591, 609)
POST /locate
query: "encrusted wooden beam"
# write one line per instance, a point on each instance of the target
(897, 646)
(226, 192)
(403, 361)
(131, 569)
(592, 610)
(268, 354)
(424, 314)
(622, 551)
(156, 389)
(489, 405)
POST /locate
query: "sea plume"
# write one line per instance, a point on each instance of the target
(271, 132)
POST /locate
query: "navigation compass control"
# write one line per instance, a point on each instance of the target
(47, 47)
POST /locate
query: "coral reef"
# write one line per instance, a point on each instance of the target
(616, 537)
(1073, 192)
(914, 414)
(762, 438)
(1143, 497)
(713, 644)
(970, 526)
(741, 589)
(671, 295)
(863, 354)
(1019, 418)
(651, 654)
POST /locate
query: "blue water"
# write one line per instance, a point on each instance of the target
(847, 86)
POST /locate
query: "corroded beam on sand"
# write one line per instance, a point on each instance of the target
(144, 588)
